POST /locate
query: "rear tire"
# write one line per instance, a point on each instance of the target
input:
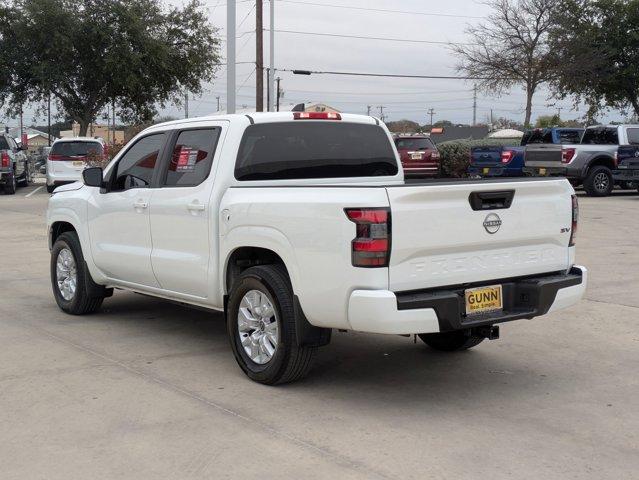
(74, 290)
(50, 188)
(599, 182)
(288, 362)
(451, 341)
(10, 187)
(26, 180)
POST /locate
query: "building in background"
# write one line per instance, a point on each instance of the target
(102, 131)
(36, 139)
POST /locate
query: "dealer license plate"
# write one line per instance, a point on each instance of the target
(486, 170)
(78, 163)
(416, 156)
(542, 171)
(484, 299)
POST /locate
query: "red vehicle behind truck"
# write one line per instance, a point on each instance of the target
(419, 156)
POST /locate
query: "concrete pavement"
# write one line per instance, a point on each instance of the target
(148, 389)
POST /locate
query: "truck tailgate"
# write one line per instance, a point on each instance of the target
(438, 239)
(543, 155)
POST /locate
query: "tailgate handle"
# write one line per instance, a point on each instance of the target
(491, 200)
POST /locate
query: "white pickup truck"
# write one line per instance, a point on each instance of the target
(295, 224)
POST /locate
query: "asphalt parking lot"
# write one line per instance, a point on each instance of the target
(146, 389)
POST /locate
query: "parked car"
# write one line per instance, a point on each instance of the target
(590, 162)
(281, 221)
(419, 156)
(627, 172)
(508, 161)
(69, 157)
(15, 168)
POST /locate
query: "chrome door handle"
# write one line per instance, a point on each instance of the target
(196, 207)
(140, 204)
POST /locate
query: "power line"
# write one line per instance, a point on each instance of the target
(364, 37)
(381, 10)
(389, 75)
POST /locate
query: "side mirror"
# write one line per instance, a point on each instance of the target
(92, 177)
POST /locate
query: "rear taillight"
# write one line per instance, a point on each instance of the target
(575, 220)
(316, 116)
(5, 161)
(54, 156)
(507, 156)
(371, 245)
(567, 154)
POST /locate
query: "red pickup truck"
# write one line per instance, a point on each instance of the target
(419, 156)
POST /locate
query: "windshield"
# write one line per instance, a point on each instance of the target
(76, 149)
(308, 149)
(414, 144)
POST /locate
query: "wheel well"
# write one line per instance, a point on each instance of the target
(58, 228)
(602, 161)
(245, 257)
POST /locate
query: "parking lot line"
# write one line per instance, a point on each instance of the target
(31, 193)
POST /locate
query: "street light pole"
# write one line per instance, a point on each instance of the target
(271, 77)
(230, 56)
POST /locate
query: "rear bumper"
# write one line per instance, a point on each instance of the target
(421, 171)
(549, 171)
(5, 176)
(475, 170)
(440, 310)
(62, 178)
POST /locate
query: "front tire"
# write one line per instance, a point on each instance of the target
(26, 180)
(74, 290)
(261, 325)
(599, 182)
(451, 341)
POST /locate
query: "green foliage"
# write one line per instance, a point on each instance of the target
(548, 121)
(403, 126)
(88, 53)
(595, 44)
(455, 154)
(443, 123)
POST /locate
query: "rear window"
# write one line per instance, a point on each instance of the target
(600, 136)
(414, 144)
(308, 149)
(633, 136)
(570, 136)
(537, 136)
(76, 149)
(4, 145)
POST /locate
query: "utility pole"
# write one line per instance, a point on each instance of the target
(269, 101)
(49, 118)
(21, 128)
(230, 56)
(113, 112)
(475, 105)
(259, 58)
(368, 110)
(381, 112)
(271, 80)
(277, 104)
(186, 104)
(491, 119)
(431, 112)
(218, 102)
(559, 109)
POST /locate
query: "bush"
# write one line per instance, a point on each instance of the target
(455, 154)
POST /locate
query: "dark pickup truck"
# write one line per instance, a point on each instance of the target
(14, 165)
(627, 171)
(508, 161)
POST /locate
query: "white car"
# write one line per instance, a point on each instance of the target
(68, 158)
(295, 224)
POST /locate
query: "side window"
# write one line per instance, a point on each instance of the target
(192, 157)
(633, 136)
(135, 168)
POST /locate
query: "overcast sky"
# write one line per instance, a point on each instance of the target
(402, 98)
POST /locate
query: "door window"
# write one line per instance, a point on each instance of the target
(135, 168)
(633, 136)
(192, 157)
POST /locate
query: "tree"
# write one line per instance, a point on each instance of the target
(595, 45)
(443, 123)
(510, 48)
(90, 53)
(403, 126)
(548, 121)
(507, 123)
